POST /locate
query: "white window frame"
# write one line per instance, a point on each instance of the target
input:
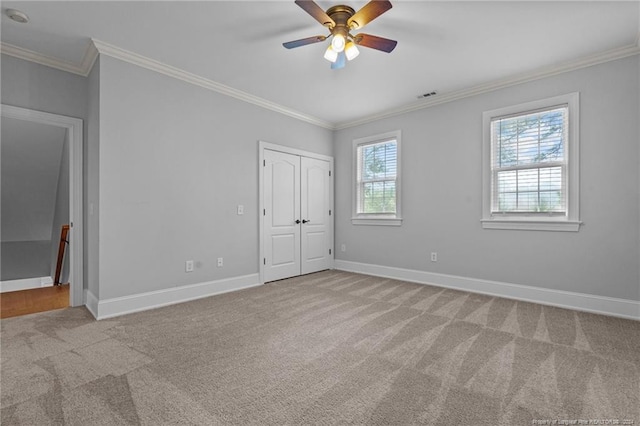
(535, 221)
(378, 218)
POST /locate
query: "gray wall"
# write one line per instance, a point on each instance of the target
(91, 182)
(29, 85)
(442, 192)
(175, 161)
(30, 168)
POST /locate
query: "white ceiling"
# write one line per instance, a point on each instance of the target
(444, 46)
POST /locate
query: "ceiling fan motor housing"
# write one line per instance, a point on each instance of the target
(340, 15)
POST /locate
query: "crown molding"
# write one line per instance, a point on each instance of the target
(609, 55)
(48, 61)
(89, 58)
(177, 73)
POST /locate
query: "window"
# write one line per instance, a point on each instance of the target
(377, 180)
(531, 166)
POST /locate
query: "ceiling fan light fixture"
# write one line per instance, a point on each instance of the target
(330, 54)
(338, 42)
(351, 50)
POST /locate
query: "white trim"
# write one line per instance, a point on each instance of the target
(25, 284)
(117, 306)
(623, 308)
(262, 146)
(91, 303)
(540, 73)
(570, 222)
(82, 69)
(376, 219)
(179, 74)
(532, 225)
(74, 137)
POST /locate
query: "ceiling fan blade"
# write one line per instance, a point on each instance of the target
(316, 11)
(304, 41)
(368, 13)
(375, 42)
(340, 62)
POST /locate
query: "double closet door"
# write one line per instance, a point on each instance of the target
(297, 231)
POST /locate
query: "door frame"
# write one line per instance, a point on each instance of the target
(74, 137)
(262, 146)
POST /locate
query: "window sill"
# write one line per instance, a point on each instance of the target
(532, 225)
(377, 221)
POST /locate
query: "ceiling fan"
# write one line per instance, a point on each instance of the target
(341, 20)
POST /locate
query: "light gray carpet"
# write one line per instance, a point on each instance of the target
(328, 348)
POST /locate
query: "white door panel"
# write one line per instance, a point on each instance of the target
(281, 210)
(316, 206)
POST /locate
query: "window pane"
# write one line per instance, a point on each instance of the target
(505, 132)
(507, 202)
(528, 201)
(380, 197)
(527, 180)
(551, 179)
(551, 136)
(550, 201)
(507, 181)
(379, 161)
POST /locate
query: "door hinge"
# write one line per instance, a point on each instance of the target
(264, 163)
(329, 212)
(329, 172)
(264, 261)
(71, 225)
(264, 212)
(329, 251)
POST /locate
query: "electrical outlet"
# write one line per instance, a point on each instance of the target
(343, 248)
(220, 262)
(188, 266)
(240, 209)
(434, 256)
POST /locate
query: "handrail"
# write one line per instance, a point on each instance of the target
(61, 248)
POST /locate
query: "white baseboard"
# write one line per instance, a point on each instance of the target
(623, 308)
(25, 284)
(108, 308)
(91, 302)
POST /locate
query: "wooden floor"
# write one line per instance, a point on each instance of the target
(23, 302)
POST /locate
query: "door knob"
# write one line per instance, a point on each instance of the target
(305, 221)
(297, 221)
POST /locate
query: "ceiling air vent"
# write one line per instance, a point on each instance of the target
(426, 95)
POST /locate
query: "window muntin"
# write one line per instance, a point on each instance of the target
(529, 162)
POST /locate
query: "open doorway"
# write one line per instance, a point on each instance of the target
(41, 178)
